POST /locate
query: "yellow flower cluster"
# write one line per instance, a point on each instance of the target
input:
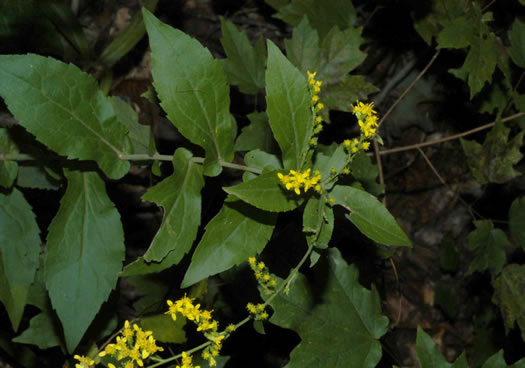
(355, 145)
(83, 362)
(315, 88)
(204, 322)
(187, 362)
(366, 117)
(257, 311)
(134, 344)
(262, 275)
(296, 180)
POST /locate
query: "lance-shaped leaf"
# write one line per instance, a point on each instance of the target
(245, 63)
(288, 107)
(63, 108)
(509, 295)
(180, 197)
(193, 91)
(19, 249)
(429, 355)
(340, 326)
(237, 232)
(8, 168)
(318, 222)
(370, 216)
(266, 193)
(85, 250)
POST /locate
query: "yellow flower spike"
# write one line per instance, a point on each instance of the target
(263, 316)
(346, 171)
(261, 265)
(110, 365)
(230, 328)
(252, 260)
(260, 307)
(331, 200)
(315, 99)
(319, 119)
(319, 107)
(83, 361)
(365, 145)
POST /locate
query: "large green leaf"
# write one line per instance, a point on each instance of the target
(303, 48)
(517, 40)
(288, 108)
(44, 331)
(323, 15)
(340, 54)
(490, 245)
(266, 193)
(493, 161)
(517, 221)
(19, 249)
(509, 295)
(85, 250)
(245, 63)
(8, 168)
(340, 325)
(370, 216)
(341, 95)
(237, 232)
(429, 355)
(63, 108)
(193, 91)
(180, 197)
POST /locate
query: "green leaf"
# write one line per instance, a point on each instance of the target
(493, 161)
(370, 216)
(321, 14)
(429, 24)
(139, 135)
(35, 177)
(288, 107)
(479, 64)
(164, 328)
(8, 169)
(340, 325)
(19, 249)
(489, 244)
(245, 64)
(193, 90)
(318, 222)
(260, 160)
(128, 38)
(63, 108)
(237, 232)
(85, 250)
(341, 95)
(180, 197)
(457, 33)
(340, 54)
(257, 135)
(516, 221)
(266, 193)
(509, 295)
(517, 41)
(141, 267)
(364, 171)
(429, 356)
(303, 48)
(44, 331)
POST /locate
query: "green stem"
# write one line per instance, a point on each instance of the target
(139, 157)
(189, 352)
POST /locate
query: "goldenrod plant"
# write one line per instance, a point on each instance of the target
(271, 167)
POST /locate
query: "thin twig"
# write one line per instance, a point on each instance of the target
(449, 138)
(408, 88)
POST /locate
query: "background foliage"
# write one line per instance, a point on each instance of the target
(139, 149)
